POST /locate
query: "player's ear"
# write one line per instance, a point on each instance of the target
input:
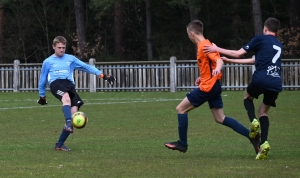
(265, 30)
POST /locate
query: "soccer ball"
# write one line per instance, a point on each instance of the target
(79, 120)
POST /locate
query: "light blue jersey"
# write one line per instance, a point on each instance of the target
(62, 68)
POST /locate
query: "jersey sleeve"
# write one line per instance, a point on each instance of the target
(79, 65)
(43, 79)
(253, 44)
(214, 56)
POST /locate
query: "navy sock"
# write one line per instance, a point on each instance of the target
(264, 126)
(182, 128)
(63, 137)
(236, 126)
(67, 112)
(249, 106)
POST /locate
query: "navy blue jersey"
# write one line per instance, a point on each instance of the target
(268, 53)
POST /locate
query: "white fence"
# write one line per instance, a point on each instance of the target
(170, 75)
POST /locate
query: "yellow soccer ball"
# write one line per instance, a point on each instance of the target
(79, 120)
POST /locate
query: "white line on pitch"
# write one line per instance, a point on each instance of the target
(100, 99)
(104, 103)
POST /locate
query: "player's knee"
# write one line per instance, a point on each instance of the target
(66, 101)
(219, 120)
(262, 114)
(180, 110)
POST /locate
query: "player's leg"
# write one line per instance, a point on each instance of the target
(216, 106)
(232, 123)
(192, 100)
(264, 121)
(220, 118)
(74, 101)
(59, 90)
(66, 102)
(182, 110)
(251, 93)
(268, 101)
(71, 104)
(74, 109)
(249, 106)
(68, 128)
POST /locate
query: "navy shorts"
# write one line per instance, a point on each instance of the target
(59, 87)
(214, 99)
(269, 96)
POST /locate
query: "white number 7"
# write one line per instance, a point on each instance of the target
(277, 55)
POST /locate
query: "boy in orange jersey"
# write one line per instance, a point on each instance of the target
(208, 90)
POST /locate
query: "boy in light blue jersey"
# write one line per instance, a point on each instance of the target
(58, 71)
(266, 79)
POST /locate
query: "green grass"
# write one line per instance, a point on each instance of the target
(126, 131)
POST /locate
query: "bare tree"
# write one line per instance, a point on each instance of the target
(257, 19)
(80, 25)
(1, 30)
(294, 14)
(193, 11)
(118, 16)
(149, 30)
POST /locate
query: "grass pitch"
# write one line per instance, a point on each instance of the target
(125, 134)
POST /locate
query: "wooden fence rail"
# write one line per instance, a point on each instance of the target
(170, 75)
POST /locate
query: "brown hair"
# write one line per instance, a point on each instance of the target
(196, 26)
(272, 24)
(59, 39)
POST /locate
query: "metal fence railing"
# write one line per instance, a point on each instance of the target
(173, 75)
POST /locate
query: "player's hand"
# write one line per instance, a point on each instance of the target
(216, 71)
(109, 78)
(42, 100)
(210, 48)
(197, 82)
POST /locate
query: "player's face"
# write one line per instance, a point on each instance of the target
(59, 49)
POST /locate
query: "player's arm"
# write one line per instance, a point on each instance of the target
(93, 70)
(215, 57)
(42, 83)
(239, 61)
(219, 66)
(233, 53)
(80, 68)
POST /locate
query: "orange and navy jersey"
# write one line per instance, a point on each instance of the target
(206, 63)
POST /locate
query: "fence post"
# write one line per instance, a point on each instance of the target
(173, 85)
(16, 84)
(92, 62)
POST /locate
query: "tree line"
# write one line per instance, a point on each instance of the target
(137, 30)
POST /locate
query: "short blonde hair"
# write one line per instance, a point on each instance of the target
(59, 39)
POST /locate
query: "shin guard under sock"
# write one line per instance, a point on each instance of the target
(182, 128)
(249, 106)
(236, 126)
(264, 127)
(67, 112)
